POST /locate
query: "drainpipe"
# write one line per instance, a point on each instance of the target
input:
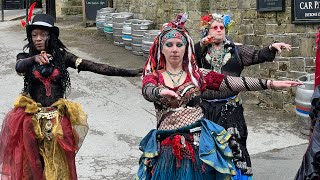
(51, 8)
(27, 7)
(2, 10)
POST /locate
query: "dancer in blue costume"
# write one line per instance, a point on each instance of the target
(185, 145)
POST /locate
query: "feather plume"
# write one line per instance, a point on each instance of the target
(23, 23)
(31, 11)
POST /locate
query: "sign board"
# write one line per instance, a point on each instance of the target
(305, 11)
(13, 4)
(270, 5)
(90, 7)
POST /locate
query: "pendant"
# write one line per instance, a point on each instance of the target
(183, 141)
(196, 139)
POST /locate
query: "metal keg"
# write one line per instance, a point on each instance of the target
(108, 25)
(138, 30)
(147, 41)
(118, 21)
(100, 18)
(127, 33)
(303, 101)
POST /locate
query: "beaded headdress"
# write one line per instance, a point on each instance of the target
(174, 34)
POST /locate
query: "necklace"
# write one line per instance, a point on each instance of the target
(215, 58)
(172, 75)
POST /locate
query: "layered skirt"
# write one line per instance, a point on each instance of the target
(196, 152)
(40, 142)
(229, 114)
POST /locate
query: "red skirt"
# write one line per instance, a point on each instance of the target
(20, 156)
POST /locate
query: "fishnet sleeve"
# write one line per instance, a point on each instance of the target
(237, 84)
(151, 93)
(99, 68)
(150, 90)
(249, 56)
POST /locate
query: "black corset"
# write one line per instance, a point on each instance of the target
(37, 89)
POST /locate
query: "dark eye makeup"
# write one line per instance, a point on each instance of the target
(170, 44)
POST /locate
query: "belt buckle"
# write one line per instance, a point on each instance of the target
(233, 101)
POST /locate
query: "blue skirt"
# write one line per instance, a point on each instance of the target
(177, 157)
(241, 176)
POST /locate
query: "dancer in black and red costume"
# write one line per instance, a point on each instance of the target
(217, 52)
(42, 133)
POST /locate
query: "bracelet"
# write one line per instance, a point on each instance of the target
(271, 84)
(158, 92)
(270, 46)
(78, 62)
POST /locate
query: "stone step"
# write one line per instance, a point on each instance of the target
(70, 18)
(71, 10)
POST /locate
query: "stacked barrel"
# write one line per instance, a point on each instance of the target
(147, 41)
(303, 101)
(127, 33)
(123, 30)
(118, 21)
(100, 18)
(138, 30)
(108, 25)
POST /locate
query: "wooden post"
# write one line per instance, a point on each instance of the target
(110, 3)
(27, 8)
(84, 12)
(51, 8)
(2, 10)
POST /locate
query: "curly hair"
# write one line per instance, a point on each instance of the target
(57, 49)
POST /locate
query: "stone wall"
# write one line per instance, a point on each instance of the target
(251, 28)
(68, 7)
(161, 11)
(261, 29)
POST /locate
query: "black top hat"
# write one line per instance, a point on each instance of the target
(42, 21)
